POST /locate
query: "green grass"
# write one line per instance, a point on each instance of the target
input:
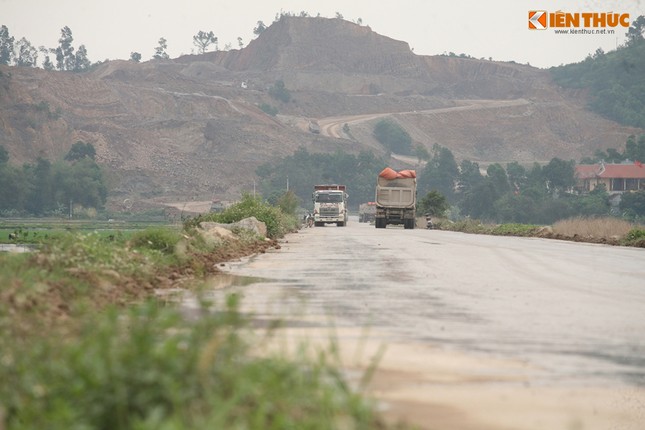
(598, 230)
(85, 344)
(149, 368)
(38, 230)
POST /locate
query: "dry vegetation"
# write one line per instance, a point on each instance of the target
(606, 227)
(606, 230)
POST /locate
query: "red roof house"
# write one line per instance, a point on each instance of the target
(617, 178)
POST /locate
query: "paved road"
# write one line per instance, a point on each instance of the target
(560, 315)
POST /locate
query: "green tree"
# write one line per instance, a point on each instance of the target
(288, 203)
(280, 92)
(160, 50)
(47, 63)
(517, 176)
(203, 40)
(6, 46)
(498, 178)
(479, 201)
(635, 32)
(65, 58)
(257, 30)
(81, 183)
(393, 137)
(12, 188)
(633, 204)
(596, 203)
(27, 54)
(635, 149)
(560, 174)
(40, 195)
(434, 203)
(469, 175)
(515, 208)
(81, 150)
(81, 62)
(135, 56)
(441, 173)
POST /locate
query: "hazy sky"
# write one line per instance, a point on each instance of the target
(112, 29)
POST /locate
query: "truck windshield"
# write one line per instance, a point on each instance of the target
(329, 198)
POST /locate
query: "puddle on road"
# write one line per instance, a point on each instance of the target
(225, 280)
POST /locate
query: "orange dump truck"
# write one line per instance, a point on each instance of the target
(396, 198)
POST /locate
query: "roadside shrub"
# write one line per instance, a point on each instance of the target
(157, 238)
(277, 222)
(525, 230)
(467, 225)
(635, 237)
(150, 368)
(268, 109)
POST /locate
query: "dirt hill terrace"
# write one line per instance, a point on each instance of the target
(190, 128)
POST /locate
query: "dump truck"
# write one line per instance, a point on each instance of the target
(366, 212)
(330, 205)
(396, 198)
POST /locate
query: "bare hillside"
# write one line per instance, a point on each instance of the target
(191, 129)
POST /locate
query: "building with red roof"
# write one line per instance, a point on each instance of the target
(617, 178)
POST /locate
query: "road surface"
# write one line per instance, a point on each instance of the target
(478, 332)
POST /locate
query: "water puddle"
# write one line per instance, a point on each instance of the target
(225, 280)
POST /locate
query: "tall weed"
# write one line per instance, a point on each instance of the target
(150, 368)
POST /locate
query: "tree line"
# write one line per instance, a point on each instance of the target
(615, 80)
(66, 57)
(46, 188)
(535, 194)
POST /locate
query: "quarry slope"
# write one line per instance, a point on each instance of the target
(191, 128)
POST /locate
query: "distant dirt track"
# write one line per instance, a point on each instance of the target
(332, 126)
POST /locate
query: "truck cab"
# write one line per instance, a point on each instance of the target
(330, 205)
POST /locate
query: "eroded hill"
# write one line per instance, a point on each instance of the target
(191, 129)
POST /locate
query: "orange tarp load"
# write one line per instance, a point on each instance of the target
(389, 173)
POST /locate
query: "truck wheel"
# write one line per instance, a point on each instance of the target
(319, 224)
(379, 223)
(408, 224)
(340, 224)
